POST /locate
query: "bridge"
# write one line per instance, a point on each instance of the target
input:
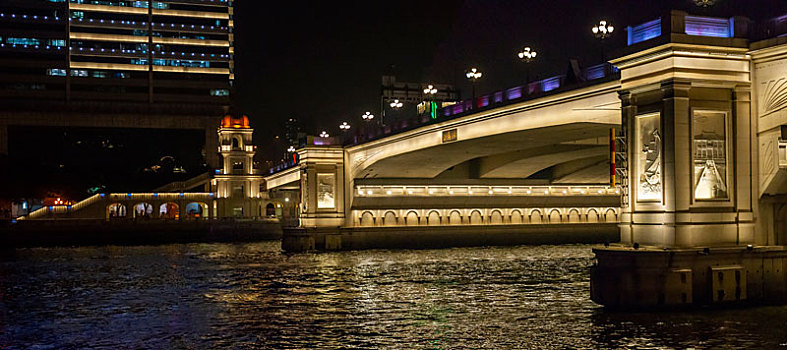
(700, 201)
(531, 155)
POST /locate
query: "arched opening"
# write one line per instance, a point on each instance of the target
(496, 218)
(475, 218)
(236, 142)
(169, 211)
(196, 210)
(270, 210)
(535, 217)
(367, 219)
(389, 219)
(143, 210)
(610, 216)
(411, 219)
(592, 216)
(573, 216)
(554, 217)
(433, 219)
(116, 210)
(455, 218)
(516, 217)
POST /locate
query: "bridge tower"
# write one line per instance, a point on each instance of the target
(236, 184)
(690, 212)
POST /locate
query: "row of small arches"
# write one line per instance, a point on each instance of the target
(485, 217)
(167, 210)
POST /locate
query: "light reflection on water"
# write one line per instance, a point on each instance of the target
(250, 296)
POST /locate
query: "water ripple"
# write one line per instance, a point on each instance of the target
(197, 296)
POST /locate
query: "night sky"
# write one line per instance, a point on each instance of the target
(321, 62)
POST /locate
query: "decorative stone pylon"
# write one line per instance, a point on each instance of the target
(690, 197)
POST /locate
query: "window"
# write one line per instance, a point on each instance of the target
(58, 72)
(219, 92)
(78, 73)
(22, 41)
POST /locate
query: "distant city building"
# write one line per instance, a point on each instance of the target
(116, 64)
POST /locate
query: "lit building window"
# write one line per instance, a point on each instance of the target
(22, 41)
(78, 73)
(219, 92)
(58, 72)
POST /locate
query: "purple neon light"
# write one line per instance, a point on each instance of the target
(550, 84)
(514, 93)
(644, 31)
(709, 26)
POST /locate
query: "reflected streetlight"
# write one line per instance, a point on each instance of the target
(395, 104)
(344, 126)
(324, 134)
(368, 116)
(473, 75)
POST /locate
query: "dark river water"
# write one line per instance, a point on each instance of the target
(239, 296)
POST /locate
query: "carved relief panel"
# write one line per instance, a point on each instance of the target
(648, 143)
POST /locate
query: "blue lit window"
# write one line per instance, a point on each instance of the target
(219, 92)
(56, 42)
(99, 74)
(78, 73)
(22, 41)
(77, 14)
(58, 72)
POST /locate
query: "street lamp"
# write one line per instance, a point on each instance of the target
(344, 126)
(473, 75)
(367, 116)
(527, 56)
(324, 134)
(395, 104)
(431, 90)
(291, 149)
(603, 31)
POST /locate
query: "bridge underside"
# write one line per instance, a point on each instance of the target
(571, 153)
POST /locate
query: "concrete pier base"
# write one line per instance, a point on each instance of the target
(429, 237)
(660, 278)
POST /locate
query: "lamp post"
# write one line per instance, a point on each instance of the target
(396, 104)
(324, 134)
(429, 92)
(527, 55)
(368, 116)
(473, 75)
(344, 126)
(602, 31)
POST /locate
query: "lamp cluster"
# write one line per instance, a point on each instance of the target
(603, 30)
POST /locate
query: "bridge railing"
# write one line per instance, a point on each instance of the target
(481, 191)
(783, 153)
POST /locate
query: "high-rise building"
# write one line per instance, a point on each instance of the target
(116, 64)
